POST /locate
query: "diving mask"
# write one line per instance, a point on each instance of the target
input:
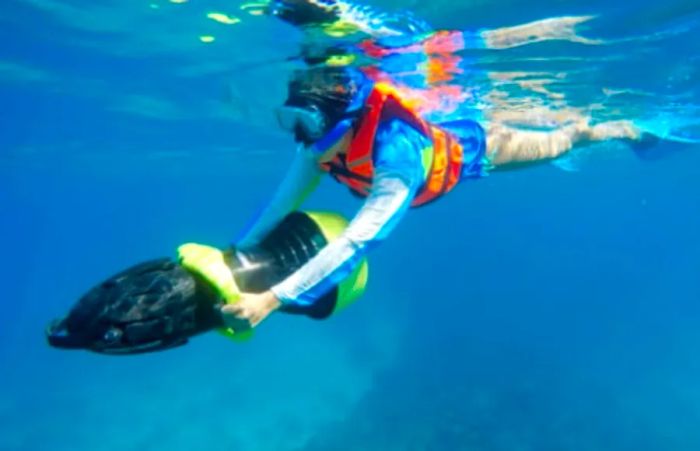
(308, 124)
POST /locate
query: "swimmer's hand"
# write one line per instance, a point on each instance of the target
(250, 310)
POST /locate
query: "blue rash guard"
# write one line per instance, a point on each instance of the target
(399, 174)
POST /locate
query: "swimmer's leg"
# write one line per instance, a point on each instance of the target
(508, 146)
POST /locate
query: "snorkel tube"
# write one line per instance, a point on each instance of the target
(161, 304)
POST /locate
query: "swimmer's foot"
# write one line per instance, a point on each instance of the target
(615, 130)
(644, 144)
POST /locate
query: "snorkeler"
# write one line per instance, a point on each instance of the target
(367, 130)
(366, 134)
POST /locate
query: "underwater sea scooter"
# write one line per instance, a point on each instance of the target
(160, 304)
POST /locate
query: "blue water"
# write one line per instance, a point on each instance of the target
(531, 310)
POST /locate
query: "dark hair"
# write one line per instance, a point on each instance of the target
(330, 89)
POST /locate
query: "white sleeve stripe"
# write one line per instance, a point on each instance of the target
(389, 199)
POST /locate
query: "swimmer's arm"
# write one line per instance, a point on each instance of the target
(398, 176)
(301, 180)
(386, 205)
(390, 197)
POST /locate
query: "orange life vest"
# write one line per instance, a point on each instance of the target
(355, 168)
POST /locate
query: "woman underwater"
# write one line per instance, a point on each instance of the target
(367, 131)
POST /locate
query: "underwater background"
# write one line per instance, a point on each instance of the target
(540, 309)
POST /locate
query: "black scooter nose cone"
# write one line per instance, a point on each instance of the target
(58, 336)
